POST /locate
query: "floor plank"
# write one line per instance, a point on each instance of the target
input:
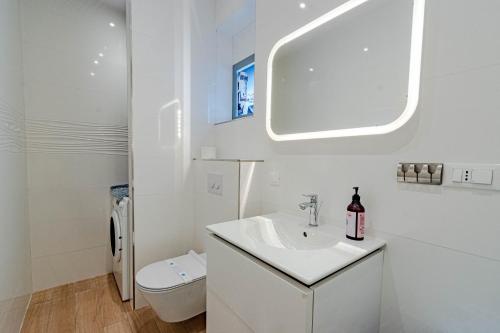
(170, 327)
(143, 320)
(94, 305)
(87, 316)
(119, 327)
(197, 324)
(52, 294)
(83, 285)
(37, 318)
(63, 315)
(110, 304)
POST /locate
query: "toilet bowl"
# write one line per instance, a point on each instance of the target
(175, 288)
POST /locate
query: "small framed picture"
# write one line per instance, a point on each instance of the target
(243, 87)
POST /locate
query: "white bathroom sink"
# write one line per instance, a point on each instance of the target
(280, 232)
(287, 243)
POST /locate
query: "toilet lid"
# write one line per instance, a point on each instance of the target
(171, 273)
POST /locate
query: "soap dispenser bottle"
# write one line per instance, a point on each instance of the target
(355, 221)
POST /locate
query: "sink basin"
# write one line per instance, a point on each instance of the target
(275, 232)
(289, 244)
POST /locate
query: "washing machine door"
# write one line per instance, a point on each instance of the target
(115, 234)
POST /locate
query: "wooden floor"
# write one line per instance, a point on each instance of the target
(92, 306)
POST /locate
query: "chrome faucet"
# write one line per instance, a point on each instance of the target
(313, 208)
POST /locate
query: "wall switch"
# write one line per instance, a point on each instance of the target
(411, 174)
(401, 173)
(472, 176)
(420, 173)
(215, 184)
(482, 176)
(457, 175)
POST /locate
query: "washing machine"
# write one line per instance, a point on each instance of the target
(119, 239)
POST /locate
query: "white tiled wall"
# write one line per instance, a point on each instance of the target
(172, 57)
(241, 195)
(226, 9)
(211, 208)
(442, 262)
(161, 129)
(251, 187)
(15, 261)
(69, 177)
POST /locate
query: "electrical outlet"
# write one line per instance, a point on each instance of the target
(467, 176)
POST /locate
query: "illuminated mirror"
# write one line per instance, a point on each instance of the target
(353, 71)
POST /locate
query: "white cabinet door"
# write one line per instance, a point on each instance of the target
(349, 301)
(246, 295)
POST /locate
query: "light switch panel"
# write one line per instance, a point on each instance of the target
(420, 173)
(457, 175)
(472, 176)
(482, 176)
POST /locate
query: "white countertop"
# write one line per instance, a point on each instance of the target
(287, 243)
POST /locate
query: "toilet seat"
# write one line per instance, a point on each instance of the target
(172, 273)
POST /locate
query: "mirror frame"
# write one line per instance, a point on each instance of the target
(417, 32)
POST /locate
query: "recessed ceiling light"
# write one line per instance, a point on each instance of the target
(112, 24)
(96, 62)
(302, 5)
(101, 54)
(365, 49)
(92, 74)
(311, 69)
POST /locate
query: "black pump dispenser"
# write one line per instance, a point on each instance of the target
(355, 221)
(356, 197)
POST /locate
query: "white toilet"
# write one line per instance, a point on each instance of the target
(175, 288)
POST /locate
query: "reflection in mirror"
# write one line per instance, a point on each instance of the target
(353, 71)
(235, 42)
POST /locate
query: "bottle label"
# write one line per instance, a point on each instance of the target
(361, 225)
(355, 225)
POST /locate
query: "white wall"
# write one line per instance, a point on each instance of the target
(211, 208)
(241, 194)
(15, 260)
(202, 70)
(442, 264)
(234, 12)
(77, 133)
(235, 40)
(171, 59)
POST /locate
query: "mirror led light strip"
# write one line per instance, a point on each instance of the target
(417, 32)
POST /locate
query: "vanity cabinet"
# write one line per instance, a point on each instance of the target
(246, 295)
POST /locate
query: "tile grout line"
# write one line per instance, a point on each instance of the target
(70, 252)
